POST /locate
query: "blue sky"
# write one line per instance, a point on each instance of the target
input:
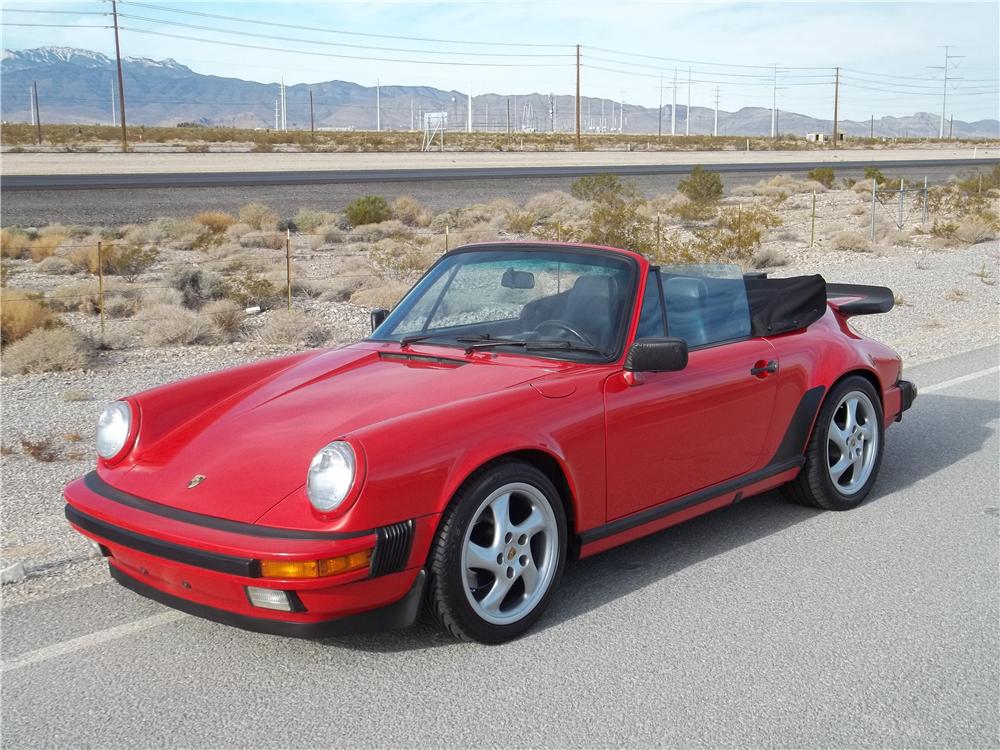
(885, 48)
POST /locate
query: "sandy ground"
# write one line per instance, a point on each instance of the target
(139, 163)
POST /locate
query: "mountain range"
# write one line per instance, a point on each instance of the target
(79, 86)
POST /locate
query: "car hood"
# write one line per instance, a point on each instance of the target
(254, 448)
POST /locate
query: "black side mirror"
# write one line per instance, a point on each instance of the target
(657, 355)
(379, 314)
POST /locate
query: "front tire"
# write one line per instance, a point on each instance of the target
(845, 450)
(499, 553)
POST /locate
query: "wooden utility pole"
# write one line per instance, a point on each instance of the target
(578, 97)
(836, 108)
(312, 117)
(38, 118)
(121, 78)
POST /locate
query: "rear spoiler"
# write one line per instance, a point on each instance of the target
(859, 299)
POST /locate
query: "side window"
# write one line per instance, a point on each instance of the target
(706, 308)
(651, 315)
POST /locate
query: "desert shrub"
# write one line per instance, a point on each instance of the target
(144, 234)
(262, 147)
(863, 186)
(215, 221)
(117, 306)
(237, 230)
(170, 325)
(597, 187)
(943, 229)
(557, 206)
(874, 173)
(701, 186)
(369, 209)
(330, 234)
(21, 313)
(13, 243)
(196, 148)
(196, 285)
(475, 216)
(158, 295)
(57, 265)
(341, 288)
(177, 230)
(131, 261)
(385, 294)
(734, 238)
(309, 221)
(394, 260)
(780, 187)
(391, 229)
(747, 225)
(897, 238)
(825, 176)
(768, 257)
(618, 221)
(226, 317)
(975, 228)
(849, 240)
(292, 327)
(258, 216)
(249, 289)
(270, 240)
(48, 350)
(411, 212)
(684, 208)
(520, 222)
(45, 245)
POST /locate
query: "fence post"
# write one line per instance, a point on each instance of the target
(657, 232)
(288, 266)
(873, 212)
(925, 199)
(100, 285)
(812, 231)
(739, 226)
(446, 230)
(899, 222)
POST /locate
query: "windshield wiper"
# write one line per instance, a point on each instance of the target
(567, 346)
(407, 340)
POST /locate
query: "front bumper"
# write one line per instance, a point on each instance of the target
(201, 565)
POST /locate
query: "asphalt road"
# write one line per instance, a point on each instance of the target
(110, 199)
(763, 624)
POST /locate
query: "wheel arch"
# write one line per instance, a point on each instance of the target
(870, 375)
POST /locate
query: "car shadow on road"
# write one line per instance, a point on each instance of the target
(937, 433)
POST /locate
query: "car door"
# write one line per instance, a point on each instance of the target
(673, 433)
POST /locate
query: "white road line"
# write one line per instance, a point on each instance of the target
(956, 381)
(91, 639)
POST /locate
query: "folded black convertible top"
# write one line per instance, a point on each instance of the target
(783, 305)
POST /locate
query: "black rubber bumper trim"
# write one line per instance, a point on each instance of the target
(400, 614)
(95, 484)
(908, 394)
(239, 566)
(683, 503)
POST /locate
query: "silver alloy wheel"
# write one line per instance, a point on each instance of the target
(510, 553)
(852, 443)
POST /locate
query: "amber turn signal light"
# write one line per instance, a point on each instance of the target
(315, 568)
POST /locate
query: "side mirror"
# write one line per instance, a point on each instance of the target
(379, 314)
(657, 355)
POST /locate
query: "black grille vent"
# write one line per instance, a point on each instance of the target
(393, 548)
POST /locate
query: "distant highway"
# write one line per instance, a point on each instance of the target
(372, 176)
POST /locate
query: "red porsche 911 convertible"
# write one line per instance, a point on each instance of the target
(523, 405)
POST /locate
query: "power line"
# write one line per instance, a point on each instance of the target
(702, 62)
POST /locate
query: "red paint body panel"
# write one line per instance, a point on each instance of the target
(422, 419)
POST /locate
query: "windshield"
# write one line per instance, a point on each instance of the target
(568, 304)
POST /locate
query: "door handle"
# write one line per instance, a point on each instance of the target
(761, 368)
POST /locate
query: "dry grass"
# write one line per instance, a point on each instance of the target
(48, 350)
(72, 437)
(957, 295)
(170, 325)
(269, 240)
(41, 449)
(57, 265)
(386, 294)
(215, 221)
(45, 245)
(974, 229)
(226, 316)
(258, 216)
(855, 242)
(20, 314)
(292, 328)
(308, 221)
(412, 212)
(769, 257)
(13, 243)
(520, 222)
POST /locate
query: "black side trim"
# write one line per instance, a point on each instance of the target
(400, 614)
(875, 299)
(683, 503)
(794, 442)
(392, 549)
(97, 485)
(240, 566)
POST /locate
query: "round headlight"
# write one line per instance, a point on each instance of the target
(331, 475)
(113, 429)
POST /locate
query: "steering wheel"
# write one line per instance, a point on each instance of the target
(564, 326)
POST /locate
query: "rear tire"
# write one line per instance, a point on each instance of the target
(498, 555)
(845, 449)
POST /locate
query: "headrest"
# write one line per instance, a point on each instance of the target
(684, 293)
(594, 285)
